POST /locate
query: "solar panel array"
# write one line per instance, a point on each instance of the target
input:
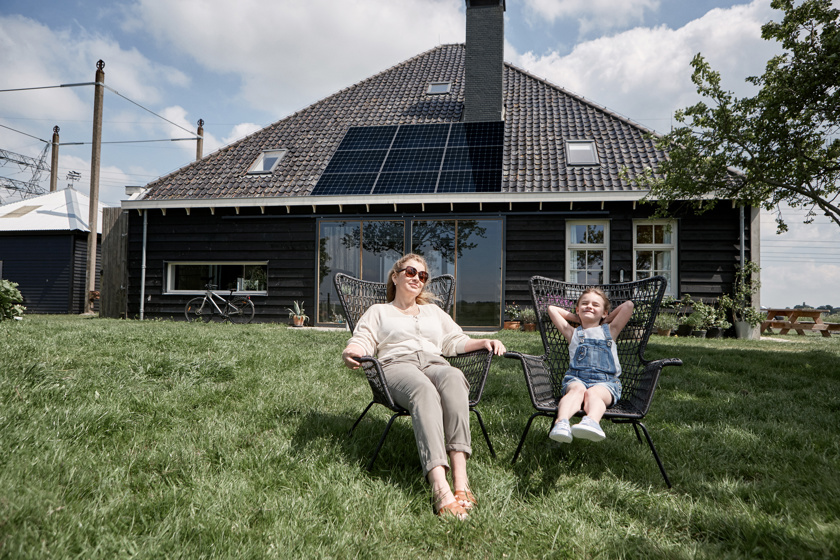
(418, 158)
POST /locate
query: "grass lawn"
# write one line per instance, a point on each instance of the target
(165, 439)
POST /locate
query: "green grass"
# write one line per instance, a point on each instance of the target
(158, 439)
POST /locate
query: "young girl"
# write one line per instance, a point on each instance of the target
(592, 379)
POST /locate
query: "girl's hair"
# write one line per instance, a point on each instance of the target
(600, 293)
(391, 289)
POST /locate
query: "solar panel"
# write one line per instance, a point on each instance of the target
(421, 158)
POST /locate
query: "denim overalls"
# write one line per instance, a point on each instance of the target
(593, 363)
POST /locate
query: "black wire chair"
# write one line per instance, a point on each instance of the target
(544, 374)
(356, 296)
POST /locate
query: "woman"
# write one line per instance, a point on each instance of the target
(409, 334)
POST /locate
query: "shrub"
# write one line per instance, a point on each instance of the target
(10, 300)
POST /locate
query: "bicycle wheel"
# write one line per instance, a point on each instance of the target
(197, 311)
(240, 310)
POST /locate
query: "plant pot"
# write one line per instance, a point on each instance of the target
(663, 332)
(744, 330)
(529, 327)
(298, 321)
(699, 333)
(684, 330)
(511, 325)
(714, 332)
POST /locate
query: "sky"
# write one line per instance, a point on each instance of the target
(243, 65)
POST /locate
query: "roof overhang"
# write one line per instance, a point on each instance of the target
(341, 201)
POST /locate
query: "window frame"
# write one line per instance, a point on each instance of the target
(596, 160)
(170, 276)
(605, 246)
(672, 247)
(433, 84)
(258, 162)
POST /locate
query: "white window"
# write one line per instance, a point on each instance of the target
(581, 152)
(266, 162)
(587, 251)
(437, 88)
(192, 277)
(655, 250)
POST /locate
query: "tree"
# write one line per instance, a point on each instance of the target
(782, 145)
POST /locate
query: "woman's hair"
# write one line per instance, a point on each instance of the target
(391, 289)
(600, 293)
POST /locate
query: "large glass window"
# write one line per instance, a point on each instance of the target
(364, 249)
(471, 250)
(192, 277)
(654, 250)
(587, 251)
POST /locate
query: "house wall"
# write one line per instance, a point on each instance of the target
(49, 268)
(708, 249)
(287, 242)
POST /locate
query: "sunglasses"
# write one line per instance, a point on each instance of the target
(411, 272)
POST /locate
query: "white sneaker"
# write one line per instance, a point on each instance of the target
(588, 429)
(561, 431)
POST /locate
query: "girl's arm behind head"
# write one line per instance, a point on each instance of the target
(619, 317)
(560, 317)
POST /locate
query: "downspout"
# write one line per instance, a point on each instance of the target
(143, 265)
(743, 241)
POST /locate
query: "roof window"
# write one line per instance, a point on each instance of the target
(581, 152)
(20, 211)
(437, 88)
(266, 162)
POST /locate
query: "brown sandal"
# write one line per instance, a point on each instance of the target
(453, 508)
(466, 499)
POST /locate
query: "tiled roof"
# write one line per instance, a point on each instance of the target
(539, 117)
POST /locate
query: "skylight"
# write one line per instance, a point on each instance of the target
(437, 88)
(20, 211)
(266, 162)
(581, 152)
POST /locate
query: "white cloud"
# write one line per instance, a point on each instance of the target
(288, 54)
(644, 73)
(593, 15)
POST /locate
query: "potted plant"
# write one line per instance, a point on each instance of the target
(528, 317)
(683, 307)
(665, 322)
(744, 315)
(717, 323)
(513, 313)
(702, 317)
(298, 314)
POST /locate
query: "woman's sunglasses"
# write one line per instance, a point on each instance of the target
(411, 272)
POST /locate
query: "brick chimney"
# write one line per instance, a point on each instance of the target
(484, 62)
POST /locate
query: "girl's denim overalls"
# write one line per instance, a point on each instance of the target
(593, 363)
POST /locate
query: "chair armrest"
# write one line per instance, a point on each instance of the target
(376, 378)
(475, 366)
(538, 378)
(642, 396)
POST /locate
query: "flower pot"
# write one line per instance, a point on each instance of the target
(744, 330)
(699, 333)
(663, 332)
(714, 332)
(684, 330)
(298, 320)
(511, 325)
(529, 327)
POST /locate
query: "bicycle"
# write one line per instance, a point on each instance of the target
(239, 309)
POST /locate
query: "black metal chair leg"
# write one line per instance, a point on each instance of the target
(655, 454)
(638, 435)
(484, 431)
(359, 419)
(382, 439)
(524, 435)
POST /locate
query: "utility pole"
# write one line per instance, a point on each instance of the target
(93, 222)
(54, 161)
(199, 143)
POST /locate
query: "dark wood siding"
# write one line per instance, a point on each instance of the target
(79, 288)
(288, 243)
(534, 245)
(42, 265)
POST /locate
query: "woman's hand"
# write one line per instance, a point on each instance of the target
(493, 346)
(351, 356)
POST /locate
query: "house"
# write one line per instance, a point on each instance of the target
(493, 174)
(43, 247)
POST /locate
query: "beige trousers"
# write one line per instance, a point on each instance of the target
(437, 396)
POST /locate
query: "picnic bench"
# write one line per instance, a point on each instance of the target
(791, 321)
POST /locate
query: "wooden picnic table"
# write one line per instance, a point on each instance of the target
(792, 321)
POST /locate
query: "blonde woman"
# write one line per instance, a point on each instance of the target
(409, 335)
